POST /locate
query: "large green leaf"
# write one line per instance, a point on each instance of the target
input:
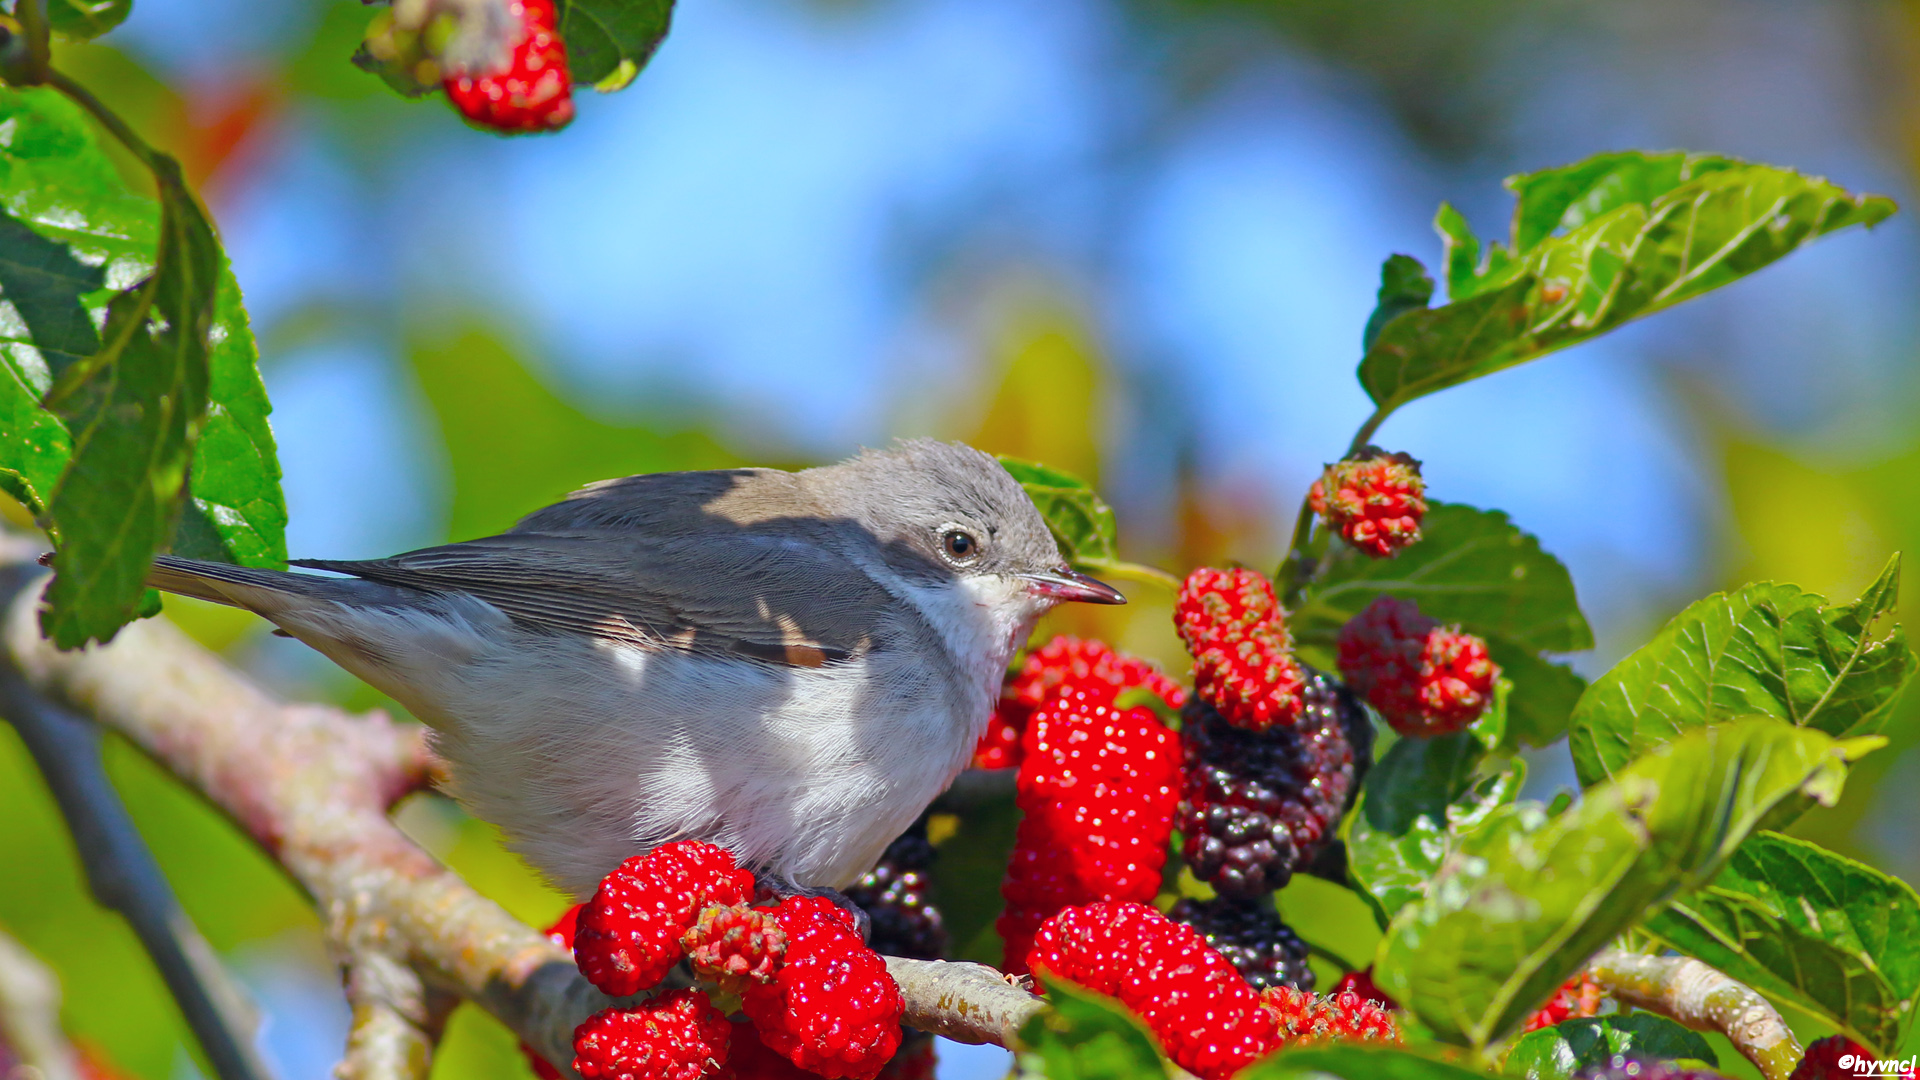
(609, 41)
(1766, 649)
(1572, 1047)
(1524, 900)
(74, 240)
(1081, 521)
(1416, 799)
(1085, 1036)
(82, 20)
(1594, 245)
(1353, 1061)
(1805, 926)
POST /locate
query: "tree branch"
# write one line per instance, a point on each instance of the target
(313, 786)
(123, 876)
(30, 1016)
(1703, 998)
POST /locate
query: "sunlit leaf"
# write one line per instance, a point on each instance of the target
(74, 240)
(1802, 925)
(1596, 244)
(1572, 1047)
(1523, 900)
(1417, 798)
(1766, 649)
(82, 20)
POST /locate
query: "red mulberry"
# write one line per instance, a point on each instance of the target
(1098, 788)
(1209, 1021)
(1425, 679)
(534, 91)
(629, 933)
(676, 1036)
(1374, 499)
(1062, 664)
(1243, 661)
(1577, 997)
(832, 1009)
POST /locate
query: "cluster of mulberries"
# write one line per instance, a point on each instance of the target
(1256, 806)
(1426, 679)
(1822, 1061)
(1374, 499)
(1097, 789)
(814, 992)
(895, 894)
(1208, 1020)
(1578, 997)
(1061, 664)
(1307, 1017)
(1243, 662)
(1251, 936)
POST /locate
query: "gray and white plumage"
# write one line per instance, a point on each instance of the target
(790, 665)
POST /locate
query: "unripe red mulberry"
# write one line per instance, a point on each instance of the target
(1243, 661)
(629, 933)
(1306, 1017)
(1578, 997)
(1208, 1020)
(832, 1008)
(1097, 789)
(1373, 499)
(1426, 679)
(676, 1036)
(534, 91)
(1062, 664)
(1361, 982)
(1258, 805)
(735, 945)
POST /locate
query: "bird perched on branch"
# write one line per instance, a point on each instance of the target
(791, 665)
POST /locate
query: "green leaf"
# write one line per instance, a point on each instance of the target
(1804, 926)
(135, 409)
(1575, 1046)
(1417, 798)
(1472, 567)
(1085, 1036)
(1522, 901)
(603, 35)
(83, 20)
(1766, 649)
(1353, 1061)
(73, 241)
(1595, 245)
(1543, 697)
(1404, 286)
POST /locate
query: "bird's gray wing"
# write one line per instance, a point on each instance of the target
(742, 592)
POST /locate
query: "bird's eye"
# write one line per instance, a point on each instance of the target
(960, 545)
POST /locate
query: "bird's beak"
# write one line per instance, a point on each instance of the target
(1067, 583)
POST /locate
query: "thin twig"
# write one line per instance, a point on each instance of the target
(123, 876)
(30, 1015)
(1703, 998)
(313, 786)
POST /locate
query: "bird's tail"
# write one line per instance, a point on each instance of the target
(223, 583)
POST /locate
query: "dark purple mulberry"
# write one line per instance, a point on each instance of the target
(1251, 936)
(1259, 805)
(1622, 1067)
(895, 896)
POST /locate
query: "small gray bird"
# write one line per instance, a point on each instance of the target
(791, 665)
